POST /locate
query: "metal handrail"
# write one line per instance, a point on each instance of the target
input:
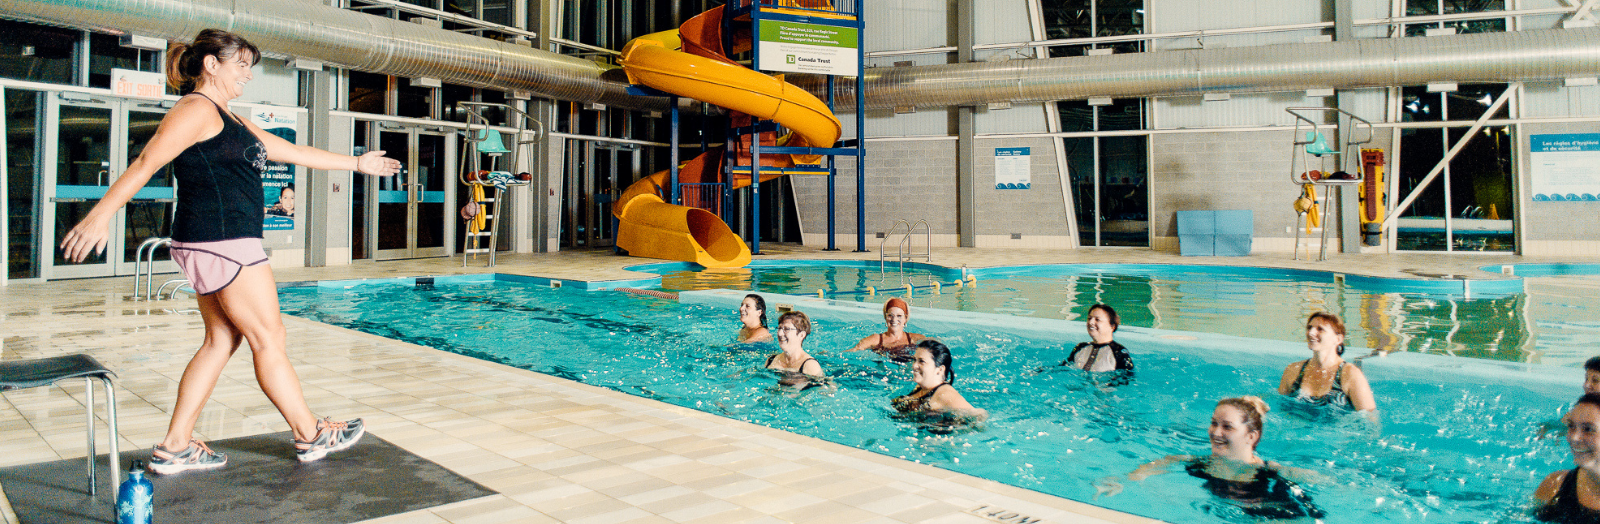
(886, 236)
(927, 245)
(144, 265)
(177, 285)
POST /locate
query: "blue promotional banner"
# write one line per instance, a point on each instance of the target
(1566, 167)
(1013, 168)
(277, 179)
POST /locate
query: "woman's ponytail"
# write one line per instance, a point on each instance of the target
(176, 53)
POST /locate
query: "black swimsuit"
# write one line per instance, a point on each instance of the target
(1266, 495)
(919, 404)
(895, 353)
(1564, 508)
(800, 369)
(1335, 395)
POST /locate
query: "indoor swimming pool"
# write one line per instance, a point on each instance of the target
(1460, 446)
(1548, 317)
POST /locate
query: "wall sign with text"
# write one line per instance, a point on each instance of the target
(1566, 167)
(797, 47)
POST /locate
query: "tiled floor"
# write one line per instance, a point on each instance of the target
(558, 451)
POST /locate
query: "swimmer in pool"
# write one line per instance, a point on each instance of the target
(1233, 470)
(1591, 384)
(1591, 375)
(934, 376)
(1574, 495)
(894, 342)
(753, 313)
(798, 366)
(1326, 378)
(1101, 353)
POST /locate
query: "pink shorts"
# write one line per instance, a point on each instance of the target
(211, 266)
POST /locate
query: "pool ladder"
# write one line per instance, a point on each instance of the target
(903, 250)
(144, 267)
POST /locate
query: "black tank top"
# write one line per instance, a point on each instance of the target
(1267, 494)
(219, 185)
(1565, 508)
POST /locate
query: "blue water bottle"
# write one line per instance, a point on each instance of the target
(135, 499)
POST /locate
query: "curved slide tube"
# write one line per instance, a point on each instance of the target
(650, 227)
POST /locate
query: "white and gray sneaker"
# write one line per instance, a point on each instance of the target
(331, 436)
(196, 456)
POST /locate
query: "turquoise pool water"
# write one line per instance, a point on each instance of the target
(1452, 447)
(1548, 317)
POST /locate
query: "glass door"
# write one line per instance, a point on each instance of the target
(95, 138)
(408, 210)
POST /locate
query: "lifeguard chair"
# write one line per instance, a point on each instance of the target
(483, 141)
(1333, 166)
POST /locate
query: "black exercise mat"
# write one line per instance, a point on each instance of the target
(261, 483)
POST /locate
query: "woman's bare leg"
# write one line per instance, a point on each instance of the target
(200, 377)
(250, 303)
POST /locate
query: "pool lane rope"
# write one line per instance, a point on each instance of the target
(910, 289)
(649, 292)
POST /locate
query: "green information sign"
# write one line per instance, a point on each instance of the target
(797, 47)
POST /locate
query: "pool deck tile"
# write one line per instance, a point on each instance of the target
(558, 451)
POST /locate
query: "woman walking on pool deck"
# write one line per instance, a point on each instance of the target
(217, 159)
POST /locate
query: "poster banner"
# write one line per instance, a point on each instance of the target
(1566, 167)
(277, 179)
(1012, 168)
(796, 47)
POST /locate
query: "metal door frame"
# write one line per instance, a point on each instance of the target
(413, 133)
(117, 164)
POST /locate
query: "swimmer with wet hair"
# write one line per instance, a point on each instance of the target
(1326, 378)
(1233, 471)
(797, 365)
(753, 314)
(934, 376)
(894, 342)
(1591, 375)
(1574, 495)
(1103, 353)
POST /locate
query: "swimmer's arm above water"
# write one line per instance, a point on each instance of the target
(867, 342)
(1112, 485)
(1300, 475)
(948, 399)
(1360, 392)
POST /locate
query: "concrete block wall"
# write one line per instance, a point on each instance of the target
(1038, 215)
(1556, 228)
(916, 180)
(905, 179)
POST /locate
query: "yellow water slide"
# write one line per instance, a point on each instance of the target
(690, 62)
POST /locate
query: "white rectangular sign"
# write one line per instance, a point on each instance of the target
(1013, 168)
(1566, 167)
(138, 84)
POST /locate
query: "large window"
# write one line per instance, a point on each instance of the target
(1452, 7)
(1469, 206)
(1109, 174)
(1067, 19)
(21, 121)
(38, 53)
